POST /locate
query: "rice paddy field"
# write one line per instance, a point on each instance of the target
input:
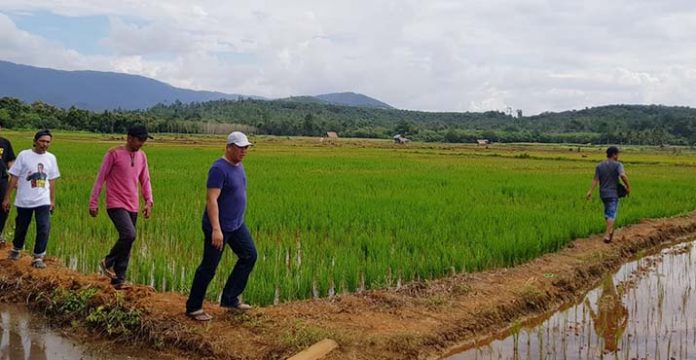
(349, 215)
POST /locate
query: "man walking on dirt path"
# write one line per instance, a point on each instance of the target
(123, 167)
(34, 175)
(607, 175)
(223, 223)
(7, 158)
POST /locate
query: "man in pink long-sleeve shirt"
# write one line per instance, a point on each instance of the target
(122, 169)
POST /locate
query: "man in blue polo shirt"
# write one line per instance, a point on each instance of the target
(223, 223)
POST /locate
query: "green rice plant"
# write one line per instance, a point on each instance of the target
(330, 219)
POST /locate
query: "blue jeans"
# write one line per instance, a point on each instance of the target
(611, 206)
(243, 245)
(43, 227)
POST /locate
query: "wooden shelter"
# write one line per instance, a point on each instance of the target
(398, 139)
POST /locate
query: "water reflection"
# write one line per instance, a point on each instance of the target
(611, 317)
(23, 340)
(644, 311)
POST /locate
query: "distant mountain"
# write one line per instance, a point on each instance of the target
(304, 100)
(343, 99)
(98, 91)
(353, 99)
(94, 90)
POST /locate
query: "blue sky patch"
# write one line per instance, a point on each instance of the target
(78, 33)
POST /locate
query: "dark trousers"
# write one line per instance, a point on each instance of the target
(243, 245)
(118, 258)
(3, 214)
(43, 227)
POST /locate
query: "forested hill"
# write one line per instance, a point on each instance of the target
(619, 124)
(344, 98)
(353, 99)
(637, 124)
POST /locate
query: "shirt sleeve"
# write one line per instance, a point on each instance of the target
(16, 168)
(145, 184)
(9, 154)
(620, 169)
(216, 178)
(596, 172)
(104, 171)
(54, 172)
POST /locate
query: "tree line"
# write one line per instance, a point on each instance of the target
(616, 124)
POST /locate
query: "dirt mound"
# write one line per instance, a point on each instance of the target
(420, 320)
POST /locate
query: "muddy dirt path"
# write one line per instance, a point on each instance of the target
(422, 320)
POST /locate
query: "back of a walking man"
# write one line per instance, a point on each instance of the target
(122, 169)
(223, 223)
(607, 175)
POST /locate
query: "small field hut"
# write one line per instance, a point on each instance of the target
(398, 139)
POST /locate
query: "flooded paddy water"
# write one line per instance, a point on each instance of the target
(24, 337)
(643, 311)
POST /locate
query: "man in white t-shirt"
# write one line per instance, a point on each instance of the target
(34, 173)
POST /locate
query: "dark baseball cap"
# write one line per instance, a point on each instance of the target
(139, 131)
(41, 133)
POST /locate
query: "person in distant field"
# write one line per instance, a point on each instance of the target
(223, 223)
(34, 174)
(607, 175)
(7, 158)
(123, 167)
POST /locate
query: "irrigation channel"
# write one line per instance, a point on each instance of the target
(24, 337)
(643, 311)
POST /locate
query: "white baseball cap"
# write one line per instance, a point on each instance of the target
(238, 138)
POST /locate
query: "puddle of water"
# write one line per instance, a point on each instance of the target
(23, 337)
(644, 311)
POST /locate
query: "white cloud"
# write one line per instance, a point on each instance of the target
(435, 55)
(23, 47)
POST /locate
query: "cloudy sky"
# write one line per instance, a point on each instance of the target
(436, 55)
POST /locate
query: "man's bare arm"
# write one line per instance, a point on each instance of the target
(214, 216)
(595, 182)
(624, 178)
